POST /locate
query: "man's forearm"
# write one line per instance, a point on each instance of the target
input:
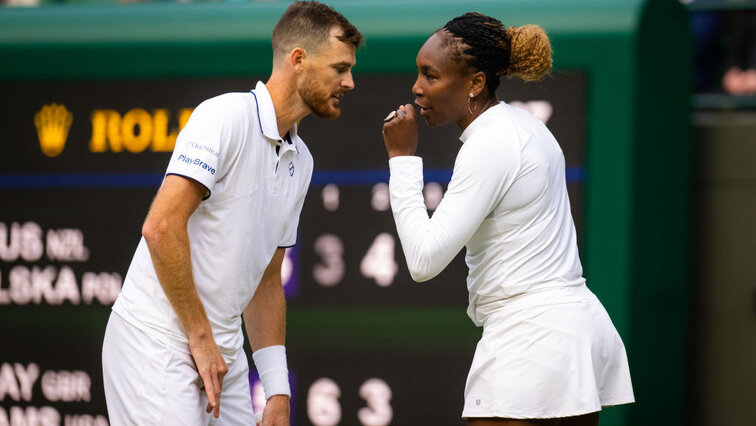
(169, 249)
(265, 317)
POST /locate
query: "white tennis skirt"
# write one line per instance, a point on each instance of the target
(540, 358)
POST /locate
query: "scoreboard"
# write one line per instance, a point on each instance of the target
(87, 158)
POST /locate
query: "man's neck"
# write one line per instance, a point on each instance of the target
(286, 101)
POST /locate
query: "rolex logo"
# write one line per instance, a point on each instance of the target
(53, 122)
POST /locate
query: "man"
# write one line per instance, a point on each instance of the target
(214, 240)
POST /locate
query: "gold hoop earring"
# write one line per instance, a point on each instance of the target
(468, 104)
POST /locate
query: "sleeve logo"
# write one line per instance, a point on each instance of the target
(197, 162)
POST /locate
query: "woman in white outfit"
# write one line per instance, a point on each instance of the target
(549, 354)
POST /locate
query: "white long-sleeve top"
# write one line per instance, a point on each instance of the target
(506, 201)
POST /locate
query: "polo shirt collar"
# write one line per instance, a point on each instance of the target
(266, 114)
(480, 122)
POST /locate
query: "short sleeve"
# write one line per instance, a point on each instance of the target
(292, 224)
(199, 147)
(290, 232)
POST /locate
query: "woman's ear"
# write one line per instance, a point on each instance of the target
(477, 83)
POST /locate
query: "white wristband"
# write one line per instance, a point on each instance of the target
(272, 369)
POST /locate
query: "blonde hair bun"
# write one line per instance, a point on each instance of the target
(530, 55)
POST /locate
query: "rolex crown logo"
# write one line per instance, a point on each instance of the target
(53, 122)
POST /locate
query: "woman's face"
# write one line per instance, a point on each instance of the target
(442, 87)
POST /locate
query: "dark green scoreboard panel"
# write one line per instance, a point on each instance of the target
(69, 233)
(93, 97)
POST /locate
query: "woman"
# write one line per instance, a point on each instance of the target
(549, 354)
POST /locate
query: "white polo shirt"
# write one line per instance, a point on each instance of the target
(256, 183)
(506, 201)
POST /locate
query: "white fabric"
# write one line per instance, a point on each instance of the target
(548, 348)
(148, 381)
(270, 363)
(543, 359)
(506, 201)
(255, 198)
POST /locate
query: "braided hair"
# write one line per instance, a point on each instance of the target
(485, 44)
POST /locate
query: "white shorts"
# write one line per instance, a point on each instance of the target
(150, 382)
(542, 359)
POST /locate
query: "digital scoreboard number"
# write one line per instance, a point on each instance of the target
(82, 163)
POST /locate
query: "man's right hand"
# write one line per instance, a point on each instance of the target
(211, 368)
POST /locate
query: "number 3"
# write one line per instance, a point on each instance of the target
(378, 412)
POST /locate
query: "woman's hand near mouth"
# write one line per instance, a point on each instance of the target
(400, 132)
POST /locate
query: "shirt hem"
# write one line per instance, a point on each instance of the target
(504, 415)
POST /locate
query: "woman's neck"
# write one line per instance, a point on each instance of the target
(467, 119)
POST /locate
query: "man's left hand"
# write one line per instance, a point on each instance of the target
(276, 411)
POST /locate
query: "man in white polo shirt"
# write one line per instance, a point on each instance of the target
(214, 240)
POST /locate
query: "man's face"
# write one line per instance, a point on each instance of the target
(327, 77)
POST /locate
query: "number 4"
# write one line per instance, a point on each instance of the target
(379, 262)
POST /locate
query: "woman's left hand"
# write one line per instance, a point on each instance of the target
(400, 132)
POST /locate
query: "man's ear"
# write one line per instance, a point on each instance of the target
(296, 57)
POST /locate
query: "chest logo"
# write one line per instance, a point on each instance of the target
(291, 168)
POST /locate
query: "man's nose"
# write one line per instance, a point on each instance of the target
(348, 82)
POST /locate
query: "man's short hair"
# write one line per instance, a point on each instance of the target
(308, 24)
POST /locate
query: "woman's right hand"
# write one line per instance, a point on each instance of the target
(400, 132)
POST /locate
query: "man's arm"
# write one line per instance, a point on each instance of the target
(165, 231)
(265, 321)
